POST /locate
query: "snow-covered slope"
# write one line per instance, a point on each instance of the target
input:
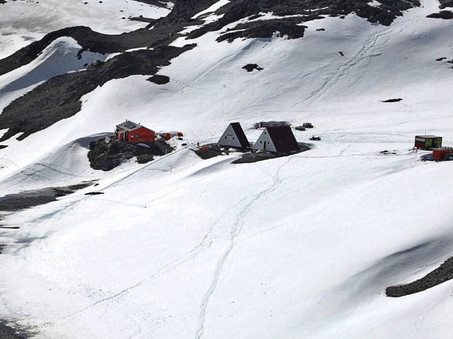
(295, 247)
(25, 21)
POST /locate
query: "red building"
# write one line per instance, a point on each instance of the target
(441, 153)
(129, 131)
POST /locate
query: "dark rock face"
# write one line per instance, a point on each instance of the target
(264, 30)
(106, 156)
(441, 274)
(442, 15)
(307, 10)
(445, 3)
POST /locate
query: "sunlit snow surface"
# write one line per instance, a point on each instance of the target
(296, 247)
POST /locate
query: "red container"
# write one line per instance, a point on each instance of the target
(440, 153)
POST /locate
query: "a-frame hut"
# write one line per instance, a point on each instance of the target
(234, 136)
(277, 139)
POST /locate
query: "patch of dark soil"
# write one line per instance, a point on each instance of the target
(59, 97)
(106, 156)
(392, 100)
(159, 79)
(441, 15)
(8, 332)
(441, 59)
(26, 199)
(3, 146)
(252, 67)
(440, 275)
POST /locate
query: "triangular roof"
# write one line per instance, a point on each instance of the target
(277, 139)
(234, 136)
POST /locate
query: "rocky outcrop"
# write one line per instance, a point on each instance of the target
(445, 3)
(291, 14)
(441, 274)
(442, 15)
(108, 155)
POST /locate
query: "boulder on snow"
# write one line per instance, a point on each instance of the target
(392, 100)
(159, 79)
(441, 15)
(252, 67)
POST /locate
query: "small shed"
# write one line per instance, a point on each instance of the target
(234, 136)
(277, 139)
(441, 153)
(130, 131)
(427, 141)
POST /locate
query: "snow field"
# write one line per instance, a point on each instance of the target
(299, 246)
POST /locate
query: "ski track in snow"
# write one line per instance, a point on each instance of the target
(365, 52)
(205, 243)
(234, 233)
